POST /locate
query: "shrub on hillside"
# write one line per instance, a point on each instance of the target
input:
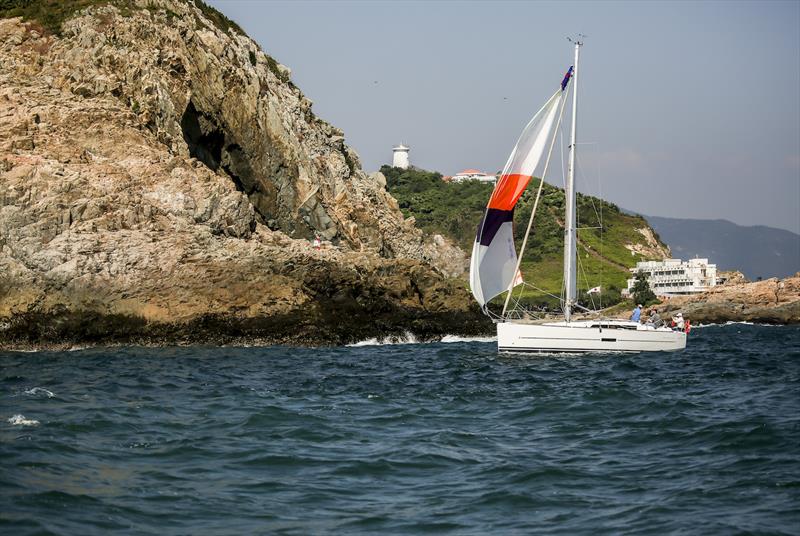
(641, 291)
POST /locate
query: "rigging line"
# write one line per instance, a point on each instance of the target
(579, 169)
(600, 196)
(582, 269)
(535, 203)
(563, 162)
(598, 215)
(534, 287)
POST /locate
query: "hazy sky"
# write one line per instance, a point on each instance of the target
(688, 109)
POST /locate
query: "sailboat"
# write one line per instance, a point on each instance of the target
(495, 265)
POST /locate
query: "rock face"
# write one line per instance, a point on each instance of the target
(652, 247)
(773, 301)
(159, 180)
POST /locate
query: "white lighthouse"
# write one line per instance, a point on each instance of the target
(400, 156)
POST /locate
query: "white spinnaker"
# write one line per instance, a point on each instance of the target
(494, 258)
(533, 141)
(492, 267)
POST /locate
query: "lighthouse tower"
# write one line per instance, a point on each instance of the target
(400, 156)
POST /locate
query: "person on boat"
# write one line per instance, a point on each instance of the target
(655, 319)
(637, 313)
(677, 321)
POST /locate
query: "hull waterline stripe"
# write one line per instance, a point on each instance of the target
(570, 350)
(551, 338)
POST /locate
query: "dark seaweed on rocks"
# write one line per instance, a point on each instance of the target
(323, 325)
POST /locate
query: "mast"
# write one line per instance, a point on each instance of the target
(570, 231)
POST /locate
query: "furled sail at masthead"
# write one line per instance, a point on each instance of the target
(494, 256)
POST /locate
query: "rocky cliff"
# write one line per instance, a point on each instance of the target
(773, 301)
(160, 177)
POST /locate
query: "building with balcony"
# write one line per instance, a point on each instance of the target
(672, 277)
(471, 175)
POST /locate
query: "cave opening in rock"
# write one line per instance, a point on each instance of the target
(203, 136)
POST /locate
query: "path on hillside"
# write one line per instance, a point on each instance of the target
(597, 255)
(593, 252)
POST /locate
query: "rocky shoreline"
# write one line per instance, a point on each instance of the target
(772, 301)
(70, 329)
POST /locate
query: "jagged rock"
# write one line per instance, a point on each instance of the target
(732, 277)
(379, 178)
(652, 248)
(157, 183)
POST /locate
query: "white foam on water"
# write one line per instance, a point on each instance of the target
(408, 338)
(732, 322)
(368, 342)
(456, 338)
(20, 420)
(40, 391)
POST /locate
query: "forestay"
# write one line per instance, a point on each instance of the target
(494, 256)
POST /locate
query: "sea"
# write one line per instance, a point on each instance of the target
(404, 438)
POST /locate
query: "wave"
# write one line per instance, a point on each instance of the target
(20, 420)
(734, 322)
(40, 391)
(409, 338)
(456, 338)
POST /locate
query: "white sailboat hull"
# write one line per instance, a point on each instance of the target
(586, 336)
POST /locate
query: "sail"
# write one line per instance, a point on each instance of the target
(494, 256)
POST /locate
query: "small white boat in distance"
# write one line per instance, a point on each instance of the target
(495, 265)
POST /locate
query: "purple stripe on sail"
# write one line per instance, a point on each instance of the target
(492, 220)
(566, 79)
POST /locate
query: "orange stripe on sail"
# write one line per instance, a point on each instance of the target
(508, 191)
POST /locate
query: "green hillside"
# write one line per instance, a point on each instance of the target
(455, 209)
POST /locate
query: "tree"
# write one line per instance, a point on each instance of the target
(641, 291)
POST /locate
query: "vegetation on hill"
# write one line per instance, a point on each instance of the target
(455, 210)
(641, 291)
(51, 14)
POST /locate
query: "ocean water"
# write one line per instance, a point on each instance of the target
(404, 439)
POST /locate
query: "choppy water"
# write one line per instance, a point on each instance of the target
(446, 437)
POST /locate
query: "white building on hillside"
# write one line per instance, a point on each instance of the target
(473, 175)
(400, 156)
(671, 276)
